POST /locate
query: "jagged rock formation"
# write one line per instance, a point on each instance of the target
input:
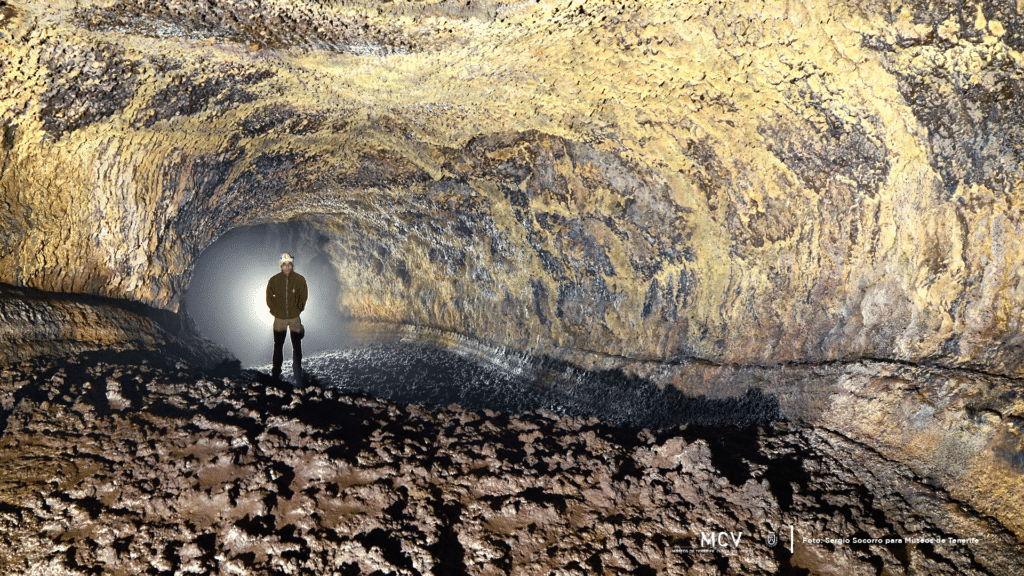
(749, 183)
(37, 323)
(819, 200)
(134, 466)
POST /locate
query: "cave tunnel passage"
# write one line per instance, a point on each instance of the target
(227, 294)
(421, 373)
(227, 301)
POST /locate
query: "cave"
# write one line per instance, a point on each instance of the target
(596, 287)
(226, 295)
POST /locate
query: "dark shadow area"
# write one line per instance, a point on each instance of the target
(227, 295)
(424, 374)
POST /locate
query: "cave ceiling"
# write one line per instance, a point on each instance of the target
(738, 182)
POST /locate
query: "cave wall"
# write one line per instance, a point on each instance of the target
(35, 323)
(744, 183)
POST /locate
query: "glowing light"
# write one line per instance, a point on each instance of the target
(257, 308)
(228, 294)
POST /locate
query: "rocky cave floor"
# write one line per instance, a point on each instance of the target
(125, 464)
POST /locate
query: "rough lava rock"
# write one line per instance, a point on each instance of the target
(125, 464)
(37, 323)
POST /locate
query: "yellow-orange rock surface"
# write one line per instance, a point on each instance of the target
(748, 182)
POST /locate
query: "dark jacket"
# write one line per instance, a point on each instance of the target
(286, 295)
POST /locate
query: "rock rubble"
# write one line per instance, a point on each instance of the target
(121, 463)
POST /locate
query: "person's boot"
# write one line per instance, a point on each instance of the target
(297, 357)
(275, 372)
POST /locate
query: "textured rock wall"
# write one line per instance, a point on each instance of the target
(750, 182)
(35, 323)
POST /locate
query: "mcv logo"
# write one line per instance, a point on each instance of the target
(720, 539)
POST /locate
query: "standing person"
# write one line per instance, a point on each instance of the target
(286, 298)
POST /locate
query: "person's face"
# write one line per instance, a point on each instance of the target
(287, 268)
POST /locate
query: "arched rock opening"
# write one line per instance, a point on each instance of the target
(725, 208)
(227, 295)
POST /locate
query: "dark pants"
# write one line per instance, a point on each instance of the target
(296, 354)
